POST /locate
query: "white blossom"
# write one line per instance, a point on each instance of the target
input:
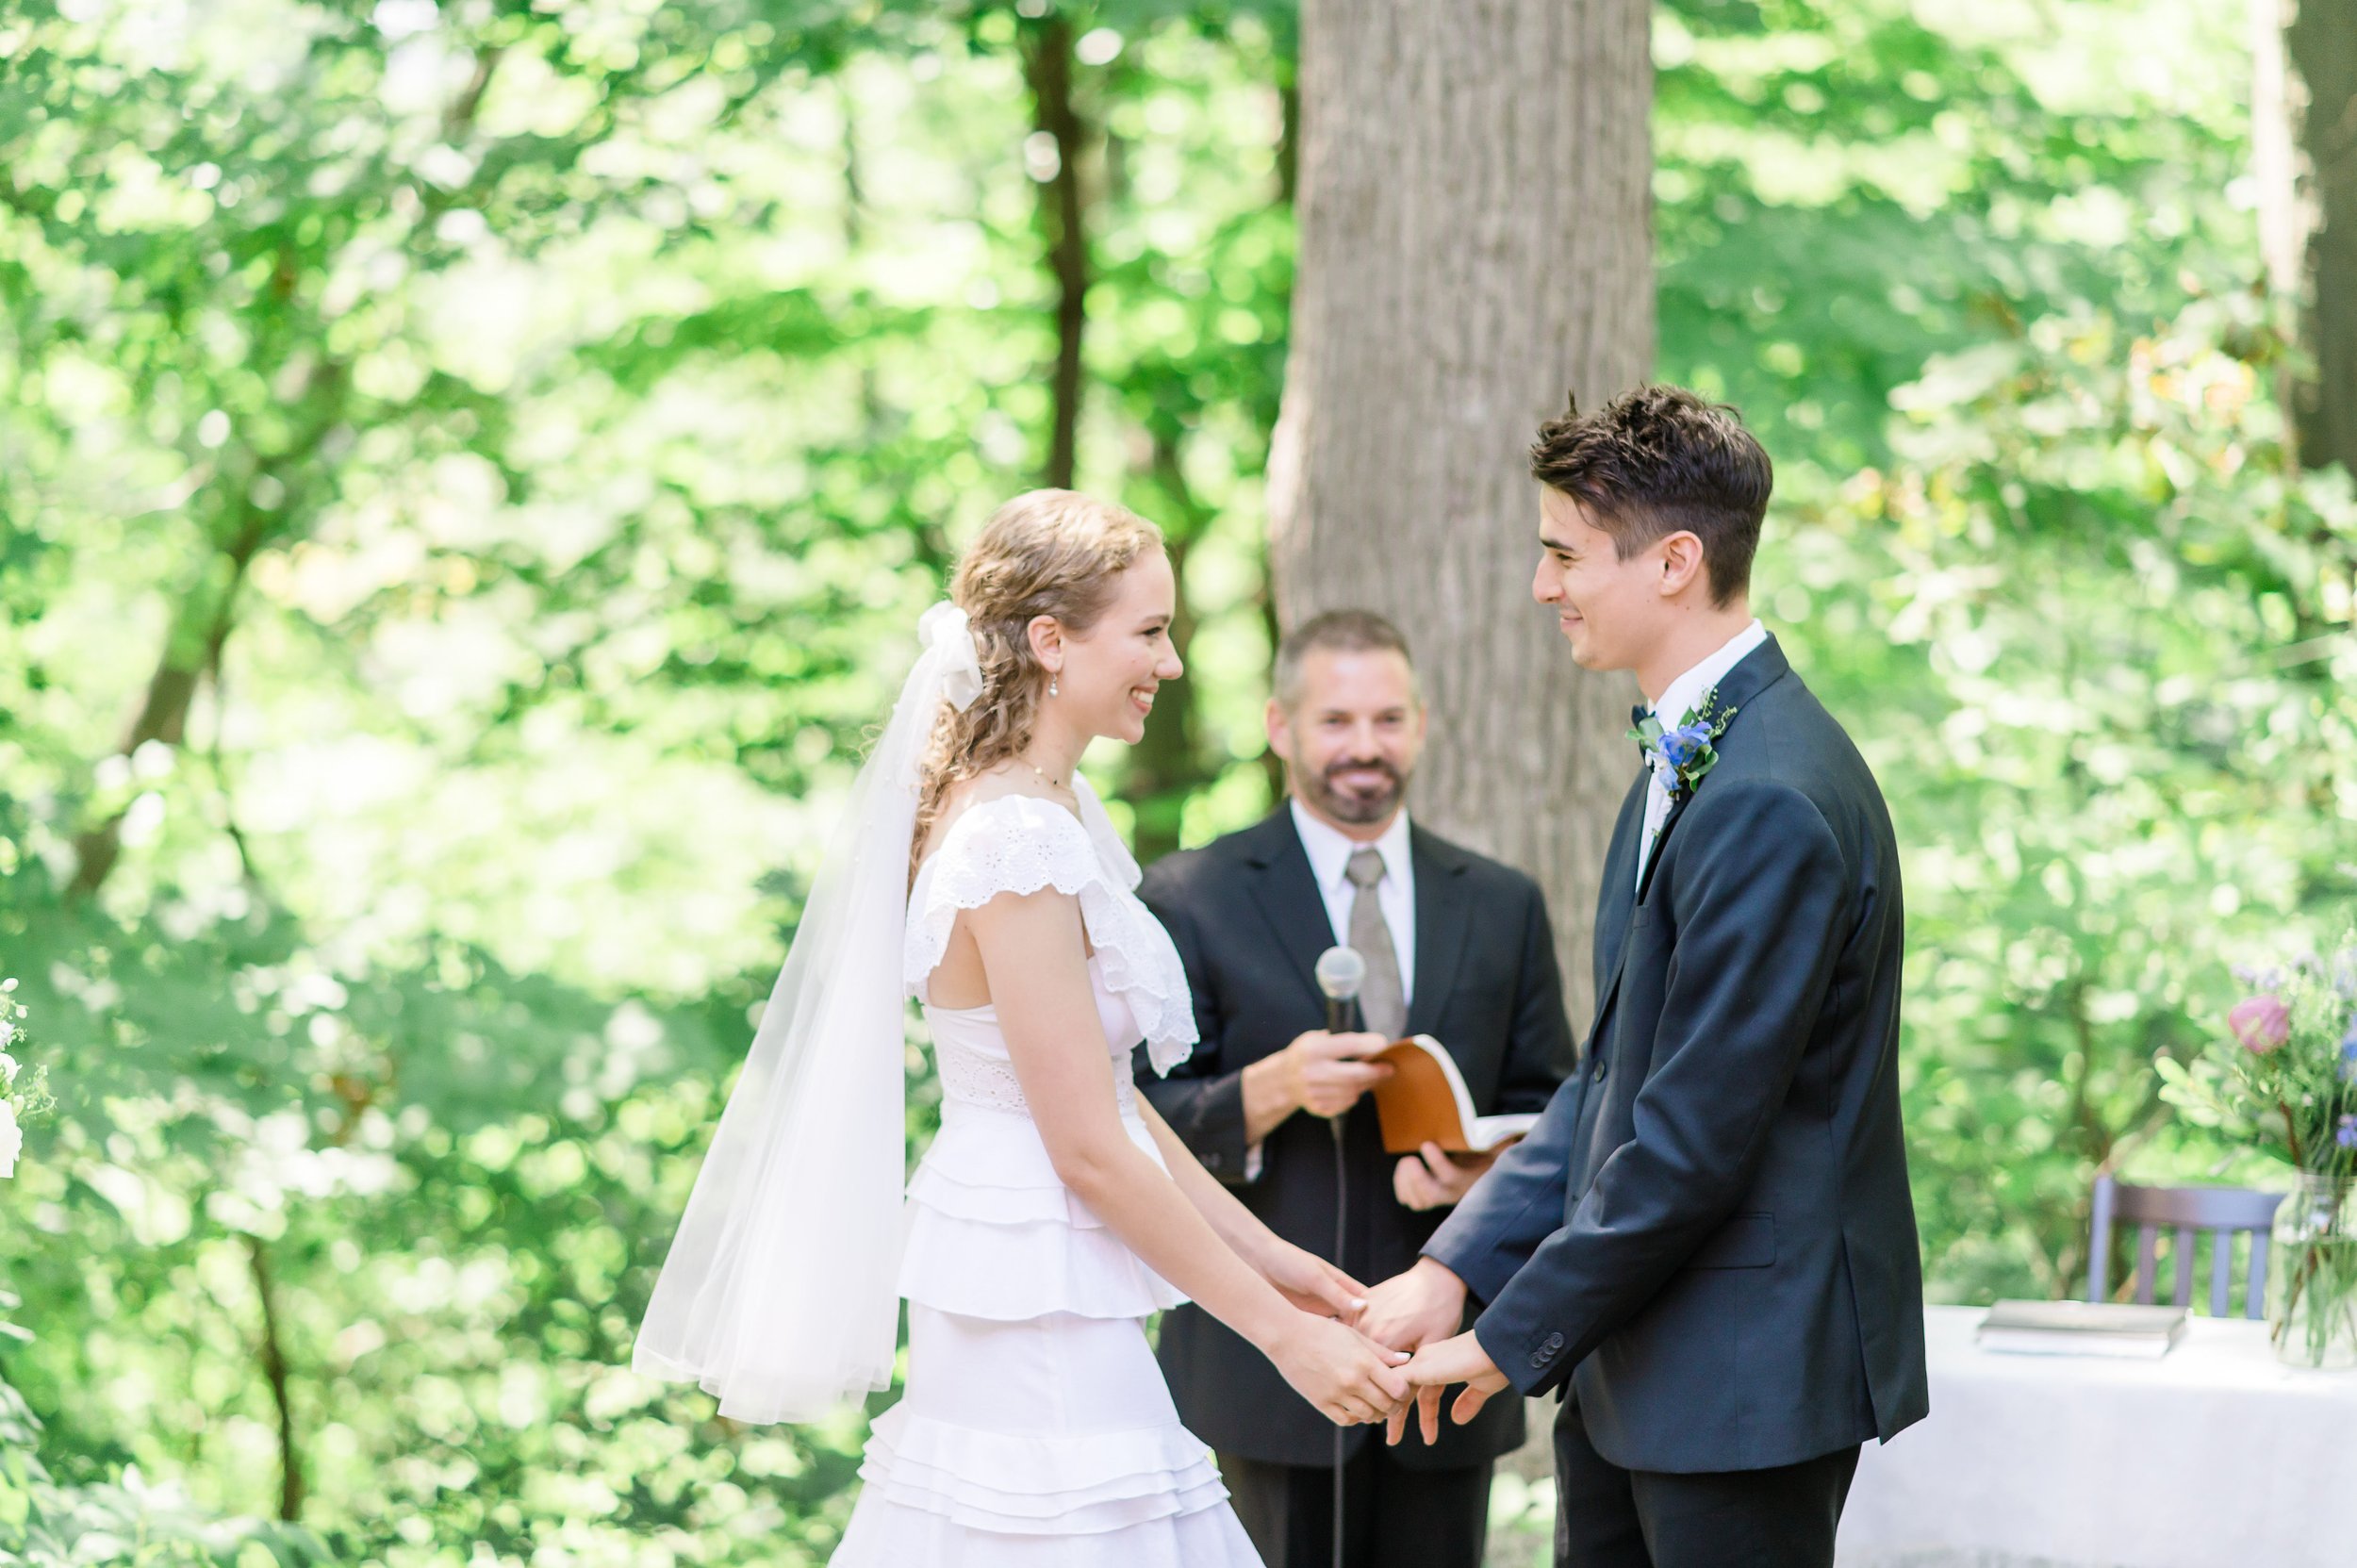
(8, 1067)
(12, 1139)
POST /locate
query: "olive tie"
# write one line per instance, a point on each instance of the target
(1382, 1000)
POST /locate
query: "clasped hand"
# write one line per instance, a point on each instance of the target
(1324, 1356)
(1422, 1311)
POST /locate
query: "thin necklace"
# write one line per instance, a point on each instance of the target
(1066, 785)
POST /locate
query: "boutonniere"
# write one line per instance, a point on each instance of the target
(1684, 754)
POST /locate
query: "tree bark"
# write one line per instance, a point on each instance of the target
(1048, 68)
(1474, 240)
(291, 1487)
(199, 627)
(2321, 40)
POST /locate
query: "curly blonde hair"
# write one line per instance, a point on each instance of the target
(1046, 552)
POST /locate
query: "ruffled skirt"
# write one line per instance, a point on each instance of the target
(1037, 1431)
(1048, 1442)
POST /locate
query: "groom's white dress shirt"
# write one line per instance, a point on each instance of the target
(1329, 850)
(1677, 705)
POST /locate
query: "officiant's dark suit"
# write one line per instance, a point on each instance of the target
(1707, 1242)
(1249, 921)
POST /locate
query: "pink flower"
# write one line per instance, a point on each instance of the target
(2261, 1023)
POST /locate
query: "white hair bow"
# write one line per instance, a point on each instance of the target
(949, 639)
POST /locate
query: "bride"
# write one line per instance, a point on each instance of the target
(1055, 1212)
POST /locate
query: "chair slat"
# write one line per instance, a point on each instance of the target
(2100, 1249)
(2191, 1214)
(2206, 1207)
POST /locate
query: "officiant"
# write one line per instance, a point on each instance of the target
(1457, 947)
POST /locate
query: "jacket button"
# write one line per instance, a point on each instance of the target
(1599, 1073)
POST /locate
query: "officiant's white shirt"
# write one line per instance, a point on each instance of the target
(1329, 850)
(1678, 702)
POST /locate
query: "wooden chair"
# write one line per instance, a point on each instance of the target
(2219, 1211)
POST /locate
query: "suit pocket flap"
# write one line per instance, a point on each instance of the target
(1747, 1241)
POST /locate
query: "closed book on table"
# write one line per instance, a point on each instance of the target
(2081, 1329)
(1426, 1100)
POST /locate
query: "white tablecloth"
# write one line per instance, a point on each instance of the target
(2217, 1456)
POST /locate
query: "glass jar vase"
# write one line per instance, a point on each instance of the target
(2312, 1273)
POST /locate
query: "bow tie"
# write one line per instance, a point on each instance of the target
(1638, 714)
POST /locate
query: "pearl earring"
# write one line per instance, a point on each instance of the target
(1051, 686)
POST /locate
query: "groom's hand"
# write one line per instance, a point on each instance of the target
(1412, 1309)
(1459, 1360)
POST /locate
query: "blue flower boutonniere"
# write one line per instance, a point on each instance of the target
(1684, 754)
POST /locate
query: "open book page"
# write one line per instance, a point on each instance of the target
(1489, 1132)
(1426, 1100)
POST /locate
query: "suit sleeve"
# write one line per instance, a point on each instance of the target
(1758, 894)
(1516, 1206)
(1202, 1099)
(1539, 1051)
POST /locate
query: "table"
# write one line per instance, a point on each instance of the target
(2216, 1456)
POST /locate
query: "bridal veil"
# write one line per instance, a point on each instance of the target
(778, 1294)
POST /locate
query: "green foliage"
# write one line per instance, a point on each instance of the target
(1983, 282)
(130, 1524)
(2073, 635)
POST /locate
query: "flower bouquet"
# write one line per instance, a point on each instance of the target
(2286, 1078)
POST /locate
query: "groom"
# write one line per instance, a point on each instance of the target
(1705, 1247)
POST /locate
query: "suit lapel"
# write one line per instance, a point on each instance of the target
(1677, 809)
(1286, 891)
(1753, 674)
(1616, 906)
(1444, 913)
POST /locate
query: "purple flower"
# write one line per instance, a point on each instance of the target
(1682, 745)
(2348, 1053)
(2269, 980)
(2261, 1023)
(2347, 1134)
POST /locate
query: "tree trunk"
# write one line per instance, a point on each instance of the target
(1474, 240)
(1047, 67)
(2322, 43)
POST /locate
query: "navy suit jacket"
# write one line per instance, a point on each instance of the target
(1710, 1235)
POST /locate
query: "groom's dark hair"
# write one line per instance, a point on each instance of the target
(1658, 461)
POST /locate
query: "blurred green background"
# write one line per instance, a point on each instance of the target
(467, 476)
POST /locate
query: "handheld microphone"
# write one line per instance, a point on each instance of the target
(1341, 971)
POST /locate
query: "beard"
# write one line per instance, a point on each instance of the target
(1357, 807)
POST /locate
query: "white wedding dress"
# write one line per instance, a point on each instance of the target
(1036, 1430)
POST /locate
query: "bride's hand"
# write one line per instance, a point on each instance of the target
(1348, 1377)
(1311, 1283)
